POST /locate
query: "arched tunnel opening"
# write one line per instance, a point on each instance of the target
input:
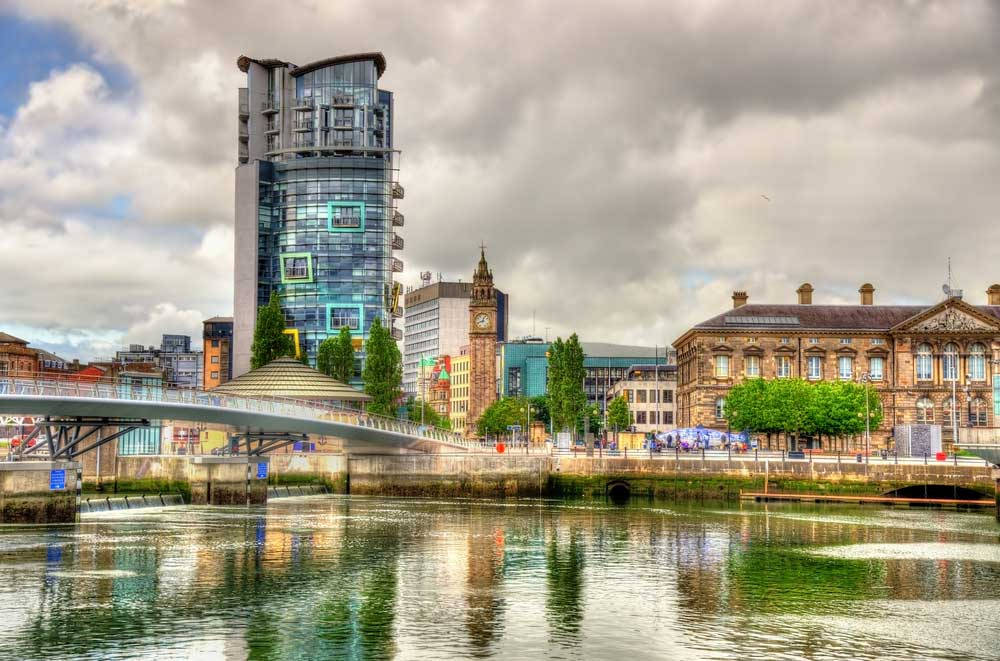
(931, 491)
(619, 492)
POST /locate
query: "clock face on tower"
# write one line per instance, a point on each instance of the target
(482, 320)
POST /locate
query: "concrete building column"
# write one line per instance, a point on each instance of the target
(237, 480)
(38, 491)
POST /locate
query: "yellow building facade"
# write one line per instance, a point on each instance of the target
(460, 367)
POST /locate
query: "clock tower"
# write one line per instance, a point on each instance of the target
(482, 341)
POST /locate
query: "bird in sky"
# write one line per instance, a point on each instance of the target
(765, 197)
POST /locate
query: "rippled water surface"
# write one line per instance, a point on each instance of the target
(349, 577)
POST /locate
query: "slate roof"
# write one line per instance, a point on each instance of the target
(822, 317)
(287, 377)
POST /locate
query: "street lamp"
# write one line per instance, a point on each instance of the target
(527, 411)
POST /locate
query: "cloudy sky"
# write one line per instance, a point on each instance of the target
(628, 164)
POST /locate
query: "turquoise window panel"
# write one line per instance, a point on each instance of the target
(345, 314)
(333, 222)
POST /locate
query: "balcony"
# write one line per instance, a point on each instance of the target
(342, 143)
(343, 123)
(307, 103)
(397, 242)
(397, 312)
(244, 132)
(342, 101)
(397, 219)
(297, 272)
(397, 333)
(244, 153)
(244, 103)
(270, 105)
(397, 192)
(302, 125)
(272, 126)
(379, 127)
(303, 144)
(397, 265)
(273, 145)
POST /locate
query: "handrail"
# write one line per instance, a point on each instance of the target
(115, 389)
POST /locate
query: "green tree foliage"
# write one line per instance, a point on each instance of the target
(335, 356)
(619, 417)
(430, 415)
(503, 413)
(269, 338)
(383, 371)
(795, 406)
(540, 404)
(567, 398)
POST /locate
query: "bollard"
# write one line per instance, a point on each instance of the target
(955, 454)
(925, 459)
(755, 451)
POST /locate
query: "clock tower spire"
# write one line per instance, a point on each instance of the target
(482, 340)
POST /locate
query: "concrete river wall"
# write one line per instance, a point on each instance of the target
(484, 475)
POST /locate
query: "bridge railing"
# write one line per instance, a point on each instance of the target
(299, 408)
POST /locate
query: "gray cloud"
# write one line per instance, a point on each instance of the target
(612, 156)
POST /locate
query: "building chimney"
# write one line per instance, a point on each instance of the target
(993, 295)
(805, 293)
(867, 294)
(739, 298)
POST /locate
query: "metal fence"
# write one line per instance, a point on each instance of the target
(296, 408)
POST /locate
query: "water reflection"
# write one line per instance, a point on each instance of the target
(367, 578)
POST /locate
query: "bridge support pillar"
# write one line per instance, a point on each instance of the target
(39, 491)
(996, 483)
(239, 480)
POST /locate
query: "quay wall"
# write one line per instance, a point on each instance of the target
(583, 476)
(478, 475)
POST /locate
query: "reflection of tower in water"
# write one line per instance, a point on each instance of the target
(484, 609)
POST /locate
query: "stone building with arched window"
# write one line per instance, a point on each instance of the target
(916, 356)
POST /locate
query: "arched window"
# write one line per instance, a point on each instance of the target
(925, 363)
(946, 412)
(978, 412)
(949, 362)
(977, 362)
(925, 410)
(720, 408)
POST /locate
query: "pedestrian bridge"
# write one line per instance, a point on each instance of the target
(70, 418)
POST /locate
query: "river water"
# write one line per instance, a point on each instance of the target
(332, 577)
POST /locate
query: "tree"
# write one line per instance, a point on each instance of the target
(567, 398)
(335, 356)
(383, 372)
(540, 404)
(269, 338)
(502, 414)
(343, 356)
(619, 417)
(430, 415)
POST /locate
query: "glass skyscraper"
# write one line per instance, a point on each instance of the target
(316, 194)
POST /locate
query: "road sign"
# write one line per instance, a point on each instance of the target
(262, 471)
(57, 480)
(513, 427)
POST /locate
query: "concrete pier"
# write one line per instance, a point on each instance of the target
(237, 480)
(38, 491)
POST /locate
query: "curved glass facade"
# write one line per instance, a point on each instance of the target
(321, 144)
(325, 238)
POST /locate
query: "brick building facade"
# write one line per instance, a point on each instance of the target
(914, 355)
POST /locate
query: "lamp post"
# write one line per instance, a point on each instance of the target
(527, 411)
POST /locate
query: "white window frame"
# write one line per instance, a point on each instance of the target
(924, 364)
(949, 362)
(722, 366)
(817, 362)
(841, 362)
(752, 366)
(720, 408)
(845, 340)
(880, 374)
(782, 367)
(977, 362)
